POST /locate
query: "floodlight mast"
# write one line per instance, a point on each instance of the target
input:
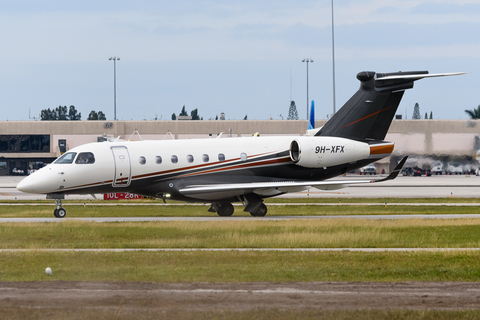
(307, 60)
(114, 86)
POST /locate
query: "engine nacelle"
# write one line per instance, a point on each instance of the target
(317, 152)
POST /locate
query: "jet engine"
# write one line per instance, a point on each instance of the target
(318, 152)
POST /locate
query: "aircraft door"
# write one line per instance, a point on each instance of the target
(121, 159)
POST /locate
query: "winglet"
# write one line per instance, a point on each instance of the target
(395, 171)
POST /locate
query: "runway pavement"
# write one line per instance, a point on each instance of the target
(459, 186)
(165, 300)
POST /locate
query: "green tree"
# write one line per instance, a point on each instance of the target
(216, 117)
(245, 118)
(48, 114)
(174, 116)
(292, 111)
(62, 113)
(416, 112)
(426, 116)
(474, 114)
(431, 115)
(93, 115)
(194, 114)
(183, 112)
(73, 114)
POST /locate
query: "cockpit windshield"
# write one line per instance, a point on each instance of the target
(66, 158)
(85, 157)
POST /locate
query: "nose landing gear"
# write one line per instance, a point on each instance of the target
(60, 212)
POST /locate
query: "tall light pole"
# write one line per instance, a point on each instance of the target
(307, 60)
(114, 86)
(333, 61)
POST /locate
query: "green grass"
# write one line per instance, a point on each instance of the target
(93, 210)
(247, 266)
(324, 233)
(146, 312)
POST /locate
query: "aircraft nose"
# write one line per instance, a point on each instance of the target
(26, 185)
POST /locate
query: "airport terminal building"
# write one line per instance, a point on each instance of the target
(29, 145)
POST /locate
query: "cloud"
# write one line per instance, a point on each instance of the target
(443, 8)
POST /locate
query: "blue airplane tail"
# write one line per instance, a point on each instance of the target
(311, 120)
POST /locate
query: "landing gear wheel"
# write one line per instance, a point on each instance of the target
(261, 211)
(225, 209)
(61, 213)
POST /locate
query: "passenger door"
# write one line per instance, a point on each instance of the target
(123, 170)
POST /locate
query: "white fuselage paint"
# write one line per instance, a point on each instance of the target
(119, 164)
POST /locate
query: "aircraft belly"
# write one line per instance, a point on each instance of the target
(216, 195)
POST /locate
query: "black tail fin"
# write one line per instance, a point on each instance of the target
(370, 111)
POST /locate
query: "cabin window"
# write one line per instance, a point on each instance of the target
(190, 158)
(174, 159)
(243, 156)
(85, 157)
(142, 160)
(221, 157)
(205, 158)
(66, 158)
(158, 160)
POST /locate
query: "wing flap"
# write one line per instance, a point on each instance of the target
(219, 191)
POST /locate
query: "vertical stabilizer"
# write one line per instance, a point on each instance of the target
(370, 111)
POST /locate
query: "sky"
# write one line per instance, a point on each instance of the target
(240, 57)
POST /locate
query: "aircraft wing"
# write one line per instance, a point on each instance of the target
(217, 191)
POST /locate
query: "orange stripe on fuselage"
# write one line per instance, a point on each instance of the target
(383, 149)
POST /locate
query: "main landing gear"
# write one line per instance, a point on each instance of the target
(261, 211)
(225, 209)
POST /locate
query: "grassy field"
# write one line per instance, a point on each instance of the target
(139, 210)
(194, 266)
(323, 233)
(263, 314)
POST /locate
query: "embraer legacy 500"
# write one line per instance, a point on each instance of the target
(246, 170)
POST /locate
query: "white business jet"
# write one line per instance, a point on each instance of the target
(246, 170)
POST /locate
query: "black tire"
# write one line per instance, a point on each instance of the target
(225, 209)
(261, 211)
(61, 213)
(55, 213)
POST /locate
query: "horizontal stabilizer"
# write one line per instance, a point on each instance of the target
(418, 76)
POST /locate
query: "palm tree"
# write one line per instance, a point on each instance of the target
(474, 114)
